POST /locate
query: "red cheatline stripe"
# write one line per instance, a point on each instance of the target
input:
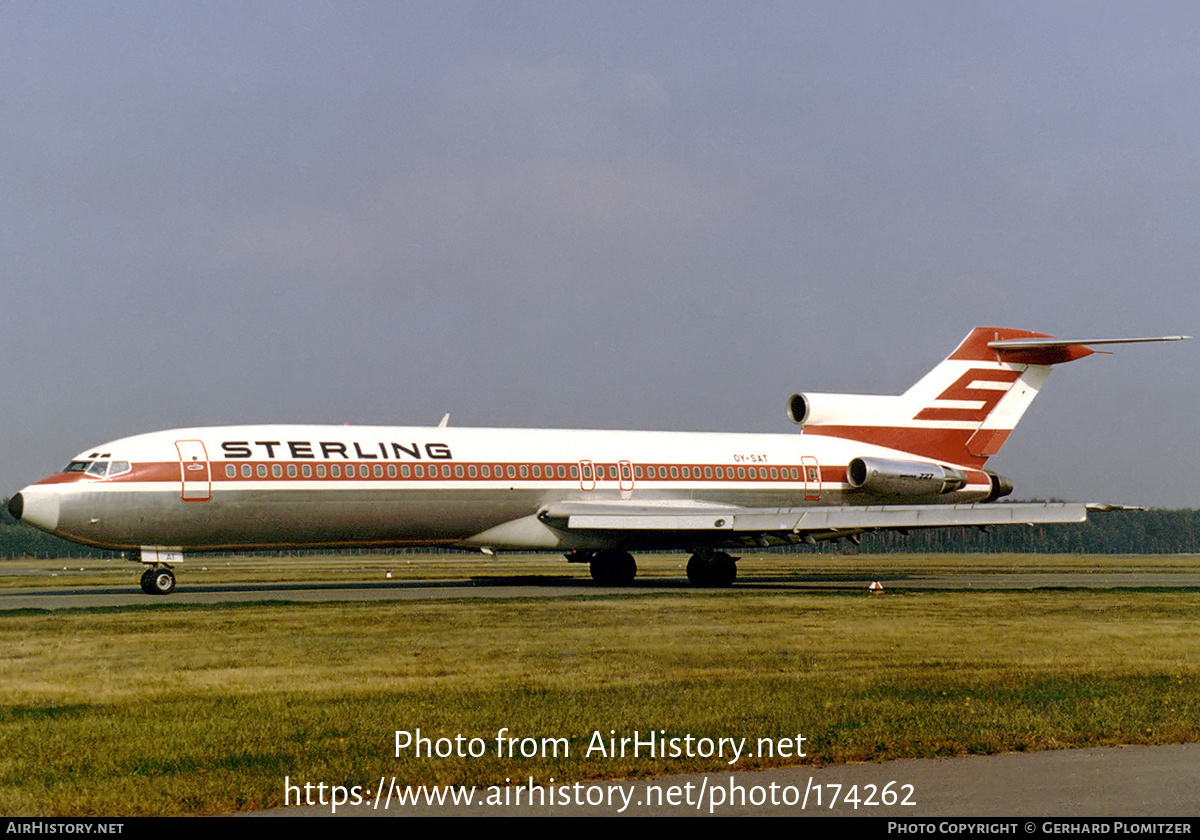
(169, 472)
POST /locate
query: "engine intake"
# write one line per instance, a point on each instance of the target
(887, 477)
(798, 409)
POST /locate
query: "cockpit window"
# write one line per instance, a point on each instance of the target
(98, 469)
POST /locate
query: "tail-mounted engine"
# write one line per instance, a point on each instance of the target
(1001, 486)
(887, 477)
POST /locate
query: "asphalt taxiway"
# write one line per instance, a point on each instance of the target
(1136, 782)
(553, 585)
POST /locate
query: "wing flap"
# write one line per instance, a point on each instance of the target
(802, 520)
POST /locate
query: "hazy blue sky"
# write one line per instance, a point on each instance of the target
(617, 215)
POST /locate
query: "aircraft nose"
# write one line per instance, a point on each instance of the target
(37, 507)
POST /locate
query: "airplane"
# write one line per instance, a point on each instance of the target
(860, 463)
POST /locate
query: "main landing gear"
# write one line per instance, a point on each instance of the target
(712, 568)
(613, 567)
(159, 581)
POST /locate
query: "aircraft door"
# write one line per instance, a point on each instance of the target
(811, 471)
(625, 475)
(587, 475)
(194, 476)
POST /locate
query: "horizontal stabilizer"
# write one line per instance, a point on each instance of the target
(1050, 351)
(1024, 343)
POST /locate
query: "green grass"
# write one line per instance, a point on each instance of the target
(169, 709)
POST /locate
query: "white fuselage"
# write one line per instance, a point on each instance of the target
(275, 486)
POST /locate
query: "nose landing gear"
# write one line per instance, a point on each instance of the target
(159, 577)
(160, 581)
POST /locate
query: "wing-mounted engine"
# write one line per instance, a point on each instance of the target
(888, 477)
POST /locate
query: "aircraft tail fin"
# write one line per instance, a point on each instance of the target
(964, 409)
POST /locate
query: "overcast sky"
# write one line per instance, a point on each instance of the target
(613, 215)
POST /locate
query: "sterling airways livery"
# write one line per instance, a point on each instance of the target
(862, 463)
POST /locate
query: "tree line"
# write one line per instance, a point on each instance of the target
(1106, 532)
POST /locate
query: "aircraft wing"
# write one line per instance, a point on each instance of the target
(819, 522)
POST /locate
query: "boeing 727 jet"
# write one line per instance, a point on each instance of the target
(861, 463)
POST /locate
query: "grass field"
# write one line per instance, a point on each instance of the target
(169, 709)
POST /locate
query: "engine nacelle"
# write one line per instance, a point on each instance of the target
(888, 477)
(814, 409)
(1001, 486)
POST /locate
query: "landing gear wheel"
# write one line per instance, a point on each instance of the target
(613, 568)
(158, 581)
(712, 569)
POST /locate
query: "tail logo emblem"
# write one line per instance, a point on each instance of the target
(996, 383)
